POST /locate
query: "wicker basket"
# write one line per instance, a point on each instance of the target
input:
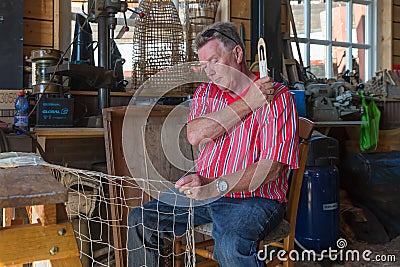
(199, 14)
(158, 40)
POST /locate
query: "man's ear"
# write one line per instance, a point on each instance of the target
(239, 54)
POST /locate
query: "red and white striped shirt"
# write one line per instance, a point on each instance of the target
(267, 133)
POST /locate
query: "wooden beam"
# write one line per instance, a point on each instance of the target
(42, 9)
(385, 38)
(38, 32)
(223, 12)
(396, 30)
(396, 13)
(56, 25)
(396, 47)
(27, 243)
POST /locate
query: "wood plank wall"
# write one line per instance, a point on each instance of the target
(240, 12)
(38, 25)
(396, 32)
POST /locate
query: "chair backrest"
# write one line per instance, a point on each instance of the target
(305, 130)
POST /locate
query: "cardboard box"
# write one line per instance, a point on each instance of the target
(7, 109)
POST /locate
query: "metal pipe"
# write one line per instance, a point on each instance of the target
(103, 46)
(104, 98)
(103, 41)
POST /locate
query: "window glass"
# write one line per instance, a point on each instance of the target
(295, 53)
(359, 24)
(325, 26)
(318, 20)
(359, 62)
(298, 14)
(338, 59)
(339, 21)
(318, 60)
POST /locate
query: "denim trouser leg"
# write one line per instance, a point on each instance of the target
(156, 220)
(239, 225)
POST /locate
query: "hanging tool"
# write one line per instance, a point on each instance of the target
(262, 58)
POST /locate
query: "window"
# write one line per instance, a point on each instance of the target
(336, 35)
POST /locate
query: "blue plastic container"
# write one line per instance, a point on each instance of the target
(300, 98)
(21, 114)
(317, 226)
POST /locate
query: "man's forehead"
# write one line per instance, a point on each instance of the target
(214, 46)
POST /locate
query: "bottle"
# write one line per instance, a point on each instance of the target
(21, 114)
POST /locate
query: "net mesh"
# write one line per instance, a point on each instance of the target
(158, 40)
(95, 207)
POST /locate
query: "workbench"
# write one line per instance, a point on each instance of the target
(327, 125)
(43, 134)
(73, 147)
(50, 235)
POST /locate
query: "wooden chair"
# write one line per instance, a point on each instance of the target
(283, 235)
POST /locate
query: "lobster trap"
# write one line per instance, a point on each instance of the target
(158, 40)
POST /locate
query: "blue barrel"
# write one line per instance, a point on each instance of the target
(317, 226)
(300, 99)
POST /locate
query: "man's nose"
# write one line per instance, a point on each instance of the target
(209, 69)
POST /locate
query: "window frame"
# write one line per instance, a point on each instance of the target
(370, 44)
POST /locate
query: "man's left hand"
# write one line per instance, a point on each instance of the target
(197, 187)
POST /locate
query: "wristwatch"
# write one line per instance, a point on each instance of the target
(222, 186)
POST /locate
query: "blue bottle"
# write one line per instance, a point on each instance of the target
(21, 114)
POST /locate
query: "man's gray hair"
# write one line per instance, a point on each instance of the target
(225, 32)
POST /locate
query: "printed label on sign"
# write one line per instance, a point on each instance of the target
(7, 98)
(330, 206)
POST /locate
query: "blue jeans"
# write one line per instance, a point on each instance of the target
(238, 227)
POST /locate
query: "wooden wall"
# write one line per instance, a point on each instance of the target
(38, 25)
(396, 32)
(240, 13)
(389, 34)
(43, 25)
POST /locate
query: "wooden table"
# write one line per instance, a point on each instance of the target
(42, 134)
(327, 125)
(50, 235)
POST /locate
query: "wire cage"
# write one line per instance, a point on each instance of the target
(158, 41)
(198, 14)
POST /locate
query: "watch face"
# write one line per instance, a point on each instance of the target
(222, 186)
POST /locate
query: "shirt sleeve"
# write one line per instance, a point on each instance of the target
(199, 105)
(278, 133)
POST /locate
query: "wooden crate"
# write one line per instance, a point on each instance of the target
(7, 109)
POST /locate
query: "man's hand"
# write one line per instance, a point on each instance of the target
(260, 93)
(197, 187)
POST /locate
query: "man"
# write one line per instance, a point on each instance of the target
(246, 147)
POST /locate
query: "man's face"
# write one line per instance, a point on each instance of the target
(219, 64)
